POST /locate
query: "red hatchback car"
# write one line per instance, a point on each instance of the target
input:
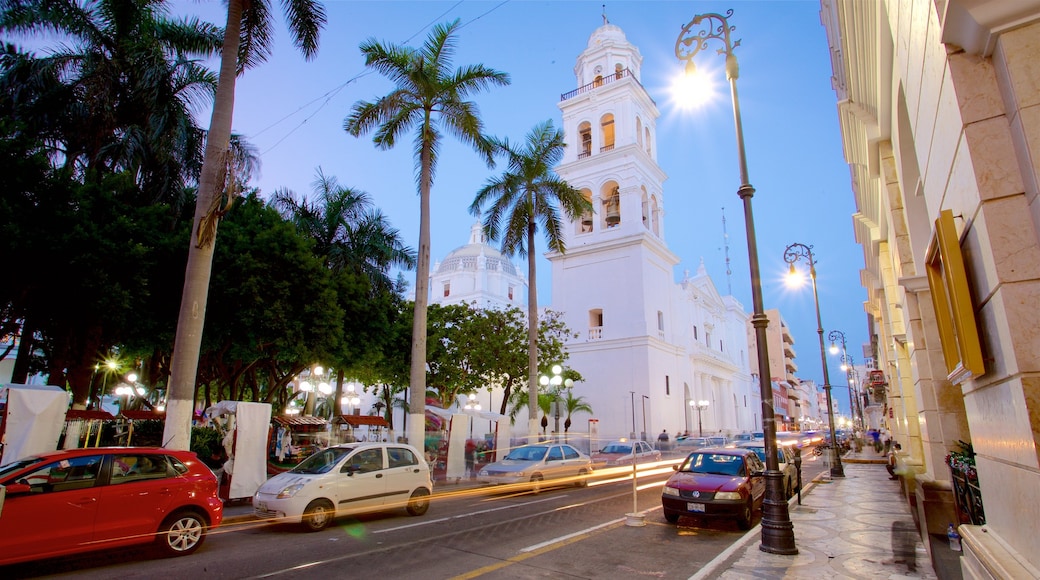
(716, 482)
(78, 500)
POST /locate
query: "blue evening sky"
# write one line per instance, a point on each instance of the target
(293, 112)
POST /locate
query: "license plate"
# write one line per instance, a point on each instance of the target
(695, 507)
(262, 506)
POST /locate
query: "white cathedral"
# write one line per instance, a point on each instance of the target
(648, 348)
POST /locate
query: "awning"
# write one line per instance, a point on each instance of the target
(87, 415)
(359, 420)
(136, 415)
(300, 422)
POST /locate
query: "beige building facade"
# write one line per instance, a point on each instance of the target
(939, 105)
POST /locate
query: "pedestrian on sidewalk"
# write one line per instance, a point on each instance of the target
(891, 467)
(662, 440)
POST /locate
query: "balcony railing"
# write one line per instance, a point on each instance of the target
(595, 333)
(606, 80)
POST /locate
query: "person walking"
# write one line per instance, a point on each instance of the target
(662, 440)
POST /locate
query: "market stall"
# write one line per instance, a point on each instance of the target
(348, 428)
(32, 420)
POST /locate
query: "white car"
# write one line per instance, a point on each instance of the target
(347, 479)
(537, 464)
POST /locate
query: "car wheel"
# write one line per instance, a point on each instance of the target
(671, 517)
(744, 519)
(583, 479)
(318, 515)
(536, 483)
(181, 533)
(419, 502)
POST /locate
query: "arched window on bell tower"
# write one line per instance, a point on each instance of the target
(618, 71)
(585, 136)
(607, 128)
(639, 131)
(586, 223)
(646, 209)
(647, 141)
(655, 216)
(612, 204)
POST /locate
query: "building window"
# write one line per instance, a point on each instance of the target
(447, 288)
(695, 333)
(607, 129)
(707, 338)
(667, 385)
(595, 324)
(660, 321)
(720, 346)
(585, 135)
(510, 292)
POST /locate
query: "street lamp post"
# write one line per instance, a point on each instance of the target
(556, 381)
(474, 407)
(632, 435)
(700, 406)
(777, 529)
(855, 411)
(645, 397)
(792, 255)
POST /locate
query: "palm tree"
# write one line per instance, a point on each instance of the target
(349, 233)
(574, 405)
(428, 97)
(247, 40)
(526, 195)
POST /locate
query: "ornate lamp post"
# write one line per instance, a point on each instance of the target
(791, 255)
(855, 411)
(777, 530)
(556, 381)
(699, 406)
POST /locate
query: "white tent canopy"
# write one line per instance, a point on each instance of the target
(33, 419)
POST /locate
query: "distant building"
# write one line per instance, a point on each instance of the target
(782, 368)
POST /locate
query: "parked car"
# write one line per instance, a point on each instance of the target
(694, 442)
(785, 462)
(346, 479)
(716, 482)
(538, 464)
(620, 453)
(79, 500)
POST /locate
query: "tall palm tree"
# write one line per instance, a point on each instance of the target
(247, 41)
(349, 233)
(527, 194)
(428, 97)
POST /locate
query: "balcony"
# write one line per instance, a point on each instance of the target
(606, 80)
(595, 333)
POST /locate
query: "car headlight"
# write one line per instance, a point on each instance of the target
(290, 491)
(727, 495)
(670, 491)
(483, 473)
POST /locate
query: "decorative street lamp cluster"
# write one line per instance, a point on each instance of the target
(792, 254)
(699, 406)
(556, 381)
(777, 529)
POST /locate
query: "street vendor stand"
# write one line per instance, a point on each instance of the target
(93, 420)
(295, 437)
(130, 420)
(344, 428)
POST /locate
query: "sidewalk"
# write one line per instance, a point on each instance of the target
(858, 526)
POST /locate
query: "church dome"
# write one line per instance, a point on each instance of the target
(607, 34)
(477, 251)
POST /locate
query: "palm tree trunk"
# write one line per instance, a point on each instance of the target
(532, 334)
(417, 375)
(180, 403)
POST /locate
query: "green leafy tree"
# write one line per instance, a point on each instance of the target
(246, 43)
(428, 97)
(527, 194)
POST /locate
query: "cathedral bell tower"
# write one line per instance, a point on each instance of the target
(614, 283)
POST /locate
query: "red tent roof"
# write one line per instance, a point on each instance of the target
(87, 415)
(359, 420)
(136, 415)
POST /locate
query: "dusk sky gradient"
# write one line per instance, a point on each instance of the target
(293, 112)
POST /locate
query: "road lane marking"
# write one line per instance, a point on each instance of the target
(538, 550)
(465, 515)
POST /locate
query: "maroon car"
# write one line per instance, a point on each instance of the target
(78, 500)
(717, 483)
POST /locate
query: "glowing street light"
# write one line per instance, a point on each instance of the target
(777, 529)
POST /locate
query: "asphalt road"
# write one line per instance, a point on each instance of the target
(468, 533)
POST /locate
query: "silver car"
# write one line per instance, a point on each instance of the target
(785, 462)
(537, 464)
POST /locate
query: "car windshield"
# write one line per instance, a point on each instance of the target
(714, 464)
(535, 453)
(322, 461)
(617, 448)
(17, 465)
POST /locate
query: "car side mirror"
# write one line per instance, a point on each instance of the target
(16, 489)
(675, 468)
(352, 469)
